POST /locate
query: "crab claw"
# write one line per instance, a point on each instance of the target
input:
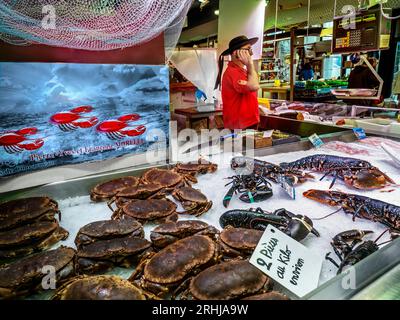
(371, 178)
(331, 198)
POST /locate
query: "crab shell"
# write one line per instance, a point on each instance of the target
(194, 202)
(170, 232)
(153, 210)
(19, 212)
(167, 179)
(25, 275)
(139, 192)
(108, 229)
(105, 254)
(273, 295)
(30, 238)
(168, 268)
(101, 287)
(239, 241)
(107, 190)
(229, 280)
(201, 167)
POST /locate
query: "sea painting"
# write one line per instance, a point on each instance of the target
(53, 114)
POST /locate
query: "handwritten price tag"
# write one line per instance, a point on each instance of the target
(287, 261)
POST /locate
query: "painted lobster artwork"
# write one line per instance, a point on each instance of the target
(116, 129)
(18, 141)
(73, 119)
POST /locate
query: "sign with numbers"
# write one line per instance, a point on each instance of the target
(287, 261)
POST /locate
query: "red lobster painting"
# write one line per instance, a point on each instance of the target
(72, 120)
(116, 129)
(17, 141)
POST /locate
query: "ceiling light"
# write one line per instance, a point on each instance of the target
(216, 12)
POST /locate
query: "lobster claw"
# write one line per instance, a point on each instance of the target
(299, 227)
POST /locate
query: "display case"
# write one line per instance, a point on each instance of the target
(370, 272)
(374, 120)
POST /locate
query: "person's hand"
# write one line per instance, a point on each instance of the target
(245, 57)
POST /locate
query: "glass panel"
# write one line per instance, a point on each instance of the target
(332, 66)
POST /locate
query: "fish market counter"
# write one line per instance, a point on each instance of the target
(335, 116)
(78, 209)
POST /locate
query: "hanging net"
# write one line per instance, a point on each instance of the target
(90, 24)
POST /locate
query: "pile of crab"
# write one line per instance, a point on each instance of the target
(145, 198)
(28, 226)
(184, 259)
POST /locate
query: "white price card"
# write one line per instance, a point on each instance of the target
(287, 261)
(268, 134)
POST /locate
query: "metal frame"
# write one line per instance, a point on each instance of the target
(377, 76)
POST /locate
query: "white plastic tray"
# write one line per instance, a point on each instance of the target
(381, 125)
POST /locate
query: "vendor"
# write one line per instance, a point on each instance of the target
(239, 85)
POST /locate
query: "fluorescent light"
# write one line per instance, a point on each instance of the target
(216, 12)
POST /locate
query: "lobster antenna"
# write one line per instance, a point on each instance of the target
(316, 219)
(380, 236)
(384, 242)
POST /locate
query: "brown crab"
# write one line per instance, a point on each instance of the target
(166, 270)
(25, 275)
(108, 189)
(153, 210)
(19, 212)
(273, 295)
(167, 179)
(228, 280)
(106, 254)
(139, 192)
(30, 238)
(108, 229)
(170, 232)
(193, 201)
(239, 242)
(200, 167)
(100, 287)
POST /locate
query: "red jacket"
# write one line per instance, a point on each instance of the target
(240, 105)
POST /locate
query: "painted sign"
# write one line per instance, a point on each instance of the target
(54, 114)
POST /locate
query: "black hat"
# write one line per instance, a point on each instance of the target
(234, 44)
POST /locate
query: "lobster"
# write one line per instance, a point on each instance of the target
(356, 173)
(359, 206)
(350, 254)
(268, 170)
(253, 188)
(295, 226)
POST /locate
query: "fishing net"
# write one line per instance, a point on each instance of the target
(91, 24)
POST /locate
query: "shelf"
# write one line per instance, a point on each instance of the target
(267, 81)
(266, 71)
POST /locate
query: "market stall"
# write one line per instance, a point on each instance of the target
(102, 197)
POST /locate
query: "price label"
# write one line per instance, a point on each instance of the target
(360, 133)
(268, 134)
(287, 261)
(316, 140)
(287, 185)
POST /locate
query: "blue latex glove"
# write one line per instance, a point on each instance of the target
(200, 94)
